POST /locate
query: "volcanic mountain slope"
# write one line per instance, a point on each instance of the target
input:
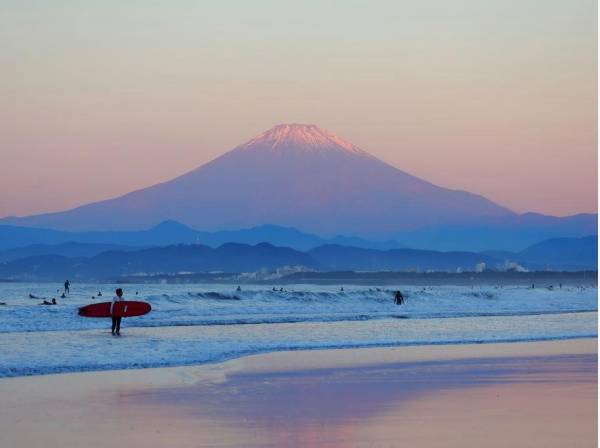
(292, 175)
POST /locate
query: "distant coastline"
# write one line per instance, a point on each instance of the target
(265, 262)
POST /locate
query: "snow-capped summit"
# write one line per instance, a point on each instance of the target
(302, 136)
(292, 175)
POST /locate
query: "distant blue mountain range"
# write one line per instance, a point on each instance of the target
(511, 234)
(93, 261)
(172, 232)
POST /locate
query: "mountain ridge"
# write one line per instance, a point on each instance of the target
(339, 189)
(575, 254)
(173, 232)
(509, 236)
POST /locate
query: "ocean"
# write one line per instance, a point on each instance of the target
(195, 323)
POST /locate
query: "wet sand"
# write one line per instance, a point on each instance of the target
(494, 395)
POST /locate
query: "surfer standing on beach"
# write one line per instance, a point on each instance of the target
(116, 320)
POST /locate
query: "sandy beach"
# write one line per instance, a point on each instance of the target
(520, 394)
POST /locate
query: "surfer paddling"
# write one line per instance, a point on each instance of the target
(116, 320)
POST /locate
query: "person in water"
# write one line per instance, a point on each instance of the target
(99, 293)
(67, 285)
(398, 298)
(45, 302)
(116, 320)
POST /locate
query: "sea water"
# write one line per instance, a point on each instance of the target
(193, 323)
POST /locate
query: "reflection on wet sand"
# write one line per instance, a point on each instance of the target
(492, 395)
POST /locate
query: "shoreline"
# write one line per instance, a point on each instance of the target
(324, 358)
(321, 398)
(303, 350)
(280, 398)
(190, 327)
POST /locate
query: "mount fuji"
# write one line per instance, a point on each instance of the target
(291, 175)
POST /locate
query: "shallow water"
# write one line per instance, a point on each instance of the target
(209, 323)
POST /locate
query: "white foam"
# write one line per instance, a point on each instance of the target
(209, 323)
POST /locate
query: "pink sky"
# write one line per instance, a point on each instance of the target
(497, 98)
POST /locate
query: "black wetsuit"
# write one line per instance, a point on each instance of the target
(116, 324)
(398, 298)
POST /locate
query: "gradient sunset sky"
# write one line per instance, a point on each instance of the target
(494, 97)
